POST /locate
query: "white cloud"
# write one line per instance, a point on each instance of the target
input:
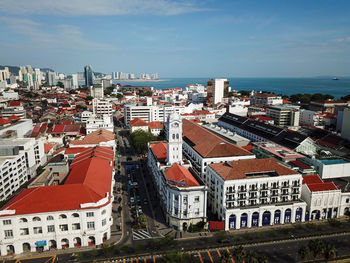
(57, 36)
(343, 39)
(99, 7)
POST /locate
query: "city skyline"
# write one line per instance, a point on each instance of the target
(179, 39)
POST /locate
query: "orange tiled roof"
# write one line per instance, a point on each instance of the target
(95, 137)
(239, 169)
(180, 176)
(155, 125)
(160, 150)
(137, 122)
(207, 144)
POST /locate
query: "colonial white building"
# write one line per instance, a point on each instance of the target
(202, 147)
(256, 192)
(323, 198)
(78, 213)
(183, 194)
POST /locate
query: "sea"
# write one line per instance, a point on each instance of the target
(282, 86)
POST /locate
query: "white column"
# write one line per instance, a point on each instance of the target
(272, 217)
(303, 214)
(238, 221)
(249, 221)
(227, 223)
(260, 218)
(282, 216)
(293, 215)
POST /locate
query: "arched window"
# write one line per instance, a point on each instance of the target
(103, 212)
(49, 218)
(75, 215)
(62, 216)
(36, 218)
(173, 136)
(177, 136)
(23, 220)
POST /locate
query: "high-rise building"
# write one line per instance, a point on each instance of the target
(75, 83)
(51, 78)
(4, 74)
(215, 95)
(89, 76)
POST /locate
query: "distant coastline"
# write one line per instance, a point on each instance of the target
(139, 80)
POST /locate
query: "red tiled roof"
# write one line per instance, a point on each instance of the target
(88, 182)
(160, 150)
(239, 169)
(71, 128)
(4, 121)
(322, 187)
(155, 125)
(180, 176)
(75, 150)
(35, 132)
(248, 147)
(14, 117)
(15, 103)
(300, 164)
(137, 122)
(58, 128)
(312, 179)
(208, 144)
(47, 147)
(316, 184)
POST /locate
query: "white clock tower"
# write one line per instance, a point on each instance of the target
(174, 138)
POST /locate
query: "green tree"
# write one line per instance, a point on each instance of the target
(329, 251)
(346, 98)
(89, 98)
(225, 257)
(251, 257)
(177, 257)
(239, 253)
(315, 247)
(303, 252)
(262, 258)
(140, 139)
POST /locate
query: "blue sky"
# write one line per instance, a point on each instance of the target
(179, 38)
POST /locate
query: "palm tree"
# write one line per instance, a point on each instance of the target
(239, 253)
(329, 251)
(316, 247)
(262, 259)
(303, 252)
(251, 257)
(225, 257)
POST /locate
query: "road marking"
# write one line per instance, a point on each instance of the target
(154, 260)
(211, 259)
(228, 251)
(145, 260)
(200, 257)
(218, 252)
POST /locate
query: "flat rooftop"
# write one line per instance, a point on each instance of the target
(278, 150)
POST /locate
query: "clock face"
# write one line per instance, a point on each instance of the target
(175, 125)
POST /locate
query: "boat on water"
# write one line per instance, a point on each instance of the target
(335, 78)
